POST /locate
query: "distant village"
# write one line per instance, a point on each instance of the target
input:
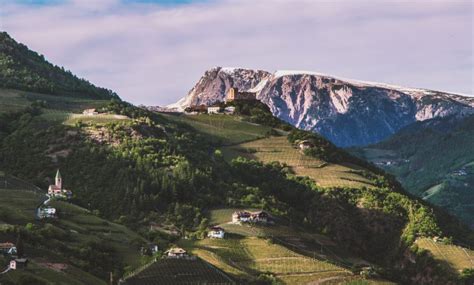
(233, 94)
(43, 211)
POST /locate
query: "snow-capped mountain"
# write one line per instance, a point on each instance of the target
(348, 112)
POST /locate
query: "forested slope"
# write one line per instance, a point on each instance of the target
(433, 160)
(24, 69)
(152, 168)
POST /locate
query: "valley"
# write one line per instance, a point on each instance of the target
(433, 160)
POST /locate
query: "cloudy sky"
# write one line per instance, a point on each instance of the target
(153, 52)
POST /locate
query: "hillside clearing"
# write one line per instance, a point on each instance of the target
(279, 149)
(457, 257)
(247, 256)
(14, 100)
(222, 129)
(95, 119)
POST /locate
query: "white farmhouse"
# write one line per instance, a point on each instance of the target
(216, 232)
(213, 110)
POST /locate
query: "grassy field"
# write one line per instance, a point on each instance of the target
(279, 149)
(249, 256)
(96, 119)
(457, 257)
(307, 243)
(17, 206)
(11, 100)
(223, 129)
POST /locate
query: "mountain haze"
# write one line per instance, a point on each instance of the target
(347, 112)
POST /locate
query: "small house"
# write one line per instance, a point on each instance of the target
(240, 216)
(18, 263)
(90, 112)
(216, 232)
(213, 110)
(229, 110)
(260, 217)
(305, 145)
(176, 252)
(8, 248)
(251, 217)
(47, 212)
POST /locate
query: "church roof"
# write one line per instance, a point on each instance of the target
(58, 175)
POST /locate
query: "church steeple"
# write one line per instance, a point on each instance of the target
(58, 180)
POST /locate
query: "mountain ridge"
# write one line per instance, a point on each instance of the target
(362, 112)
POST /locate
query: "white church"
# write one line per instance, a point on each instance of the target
(57, 190)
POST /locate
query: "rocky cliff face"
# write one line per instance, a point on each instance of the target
(214, 84)
(347, 112)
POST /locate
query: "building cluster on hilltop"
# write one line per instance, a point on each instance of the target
(233, 94)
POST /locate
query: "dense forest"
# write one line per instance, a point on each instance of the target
(23, 69)
(150, 169)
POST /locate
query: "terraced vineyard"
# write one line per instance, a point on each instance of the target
(11, 100)
(245, 256)
(223, 129)
(279, 149)
(170, 272)
(86, 227)
(457, 257)
(18, 206)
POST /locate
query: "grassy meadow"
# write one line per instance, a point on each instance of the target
(246, 256)
(223, 129)
(12, 100)
(277, 148)
(457, 257)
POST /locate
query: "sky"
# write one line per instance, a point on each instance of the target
(152, 52)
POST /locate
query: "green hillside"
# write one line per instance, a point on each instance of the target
(24, 69)
(89, 246)
(433, 160)
(144, 170)
(165, 169)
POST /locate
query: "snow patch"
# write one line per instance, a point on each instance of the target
(259, 86)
